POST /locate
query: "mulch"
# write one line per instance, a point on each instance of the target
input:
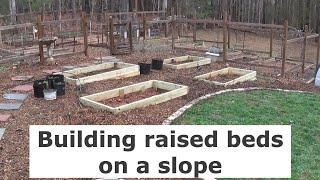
(14, 147)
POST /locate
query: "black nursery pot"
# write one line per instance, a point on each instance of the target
(38, 87)
(60, 87)
(54, 79)
(157, 64)
(145, 68)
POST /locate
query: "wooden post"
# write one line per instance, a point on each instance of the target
(173, 24)
(304, 48)
(111, 46)
(166, 30)
(130, 36)
(40, 35)
(271, 42)
(144, 27)
(194, 25)
(229, 36)
(179, 24)
(318, 52)
(0, 38)
(284, 51)
(225, 23)
(85, 32)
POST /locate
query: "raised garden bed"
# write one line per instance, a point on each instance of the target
(99, 72)
(135, 96)
(184, 62)
(228, 76)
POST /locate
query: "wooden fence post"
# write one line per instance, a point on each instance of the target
(318, 51)
(173, 24)
(229, 35)
(111, 46)
(225, 37)
(194, 26)
(85, 32)
(271, 42)
(130, 36)
(40, 36)
(284, 51)
(144, 27)
(304, 48)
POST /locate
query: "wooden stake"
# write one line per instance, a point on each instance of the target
(271, 42)
(304, 48)
(40, 35)
(284, 51)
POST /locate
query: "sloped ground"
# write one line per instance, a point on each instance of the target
(14, 147)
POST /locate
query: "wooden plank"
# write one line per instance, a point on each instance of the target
(16, 26)
(199, 21)
(302, 38)
(131, 70)
(257, 25)
(197, 61)
(245, 75)
(18, 58)
(92, 100)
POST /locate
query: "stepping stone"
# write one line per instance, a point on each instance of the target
(26, 87)
(21, 78)
(4, 118)
(15, 96)
(1, 132)
(85, 64)
(51, 71)
(10, 106)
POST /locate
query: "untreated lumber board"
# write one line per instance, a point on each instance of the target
(256, 25)
(302, 38)
(174, 91)
(125, 70)
(18, 58)
(245, 75)
(196, 61)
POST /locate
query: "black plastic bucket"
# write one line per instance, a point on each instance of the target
(60, 87)
(157, 64)
(38, 87)
(54, 79)
(145, 68)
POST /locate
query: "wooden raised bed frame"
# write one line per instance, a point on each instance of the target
(125, 70)
(174, 91)
(197, 61)
(245, 75)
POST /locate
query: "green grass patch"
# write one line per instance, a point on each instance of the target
(300, 110)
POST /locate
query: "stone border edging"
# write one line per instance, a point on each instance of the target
(178, 113)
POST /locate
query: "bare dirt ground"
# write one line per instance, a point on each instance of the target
(14, 147)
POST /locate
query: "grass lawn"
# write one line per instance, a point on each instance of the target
(302, 111)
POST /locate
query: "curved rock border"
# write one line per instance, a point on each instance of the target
(178, 113)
